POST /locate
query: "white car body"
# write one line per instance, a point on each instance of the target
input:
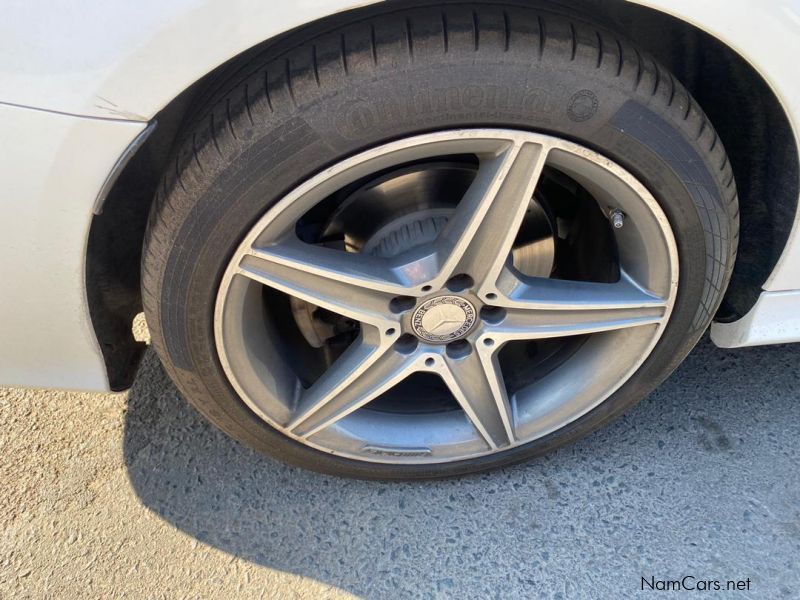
(80, 81)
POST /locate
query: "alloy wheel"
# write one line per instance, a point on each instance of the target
(415, 260)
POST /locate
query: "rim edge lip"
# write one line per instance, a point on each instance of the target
(496, 135)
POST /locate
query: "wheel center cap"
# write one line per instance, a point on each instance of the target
(443, 319)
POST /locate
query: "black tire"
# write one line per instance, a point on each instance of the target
(274, 121)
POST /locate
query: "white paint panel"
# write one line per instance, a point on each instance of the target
(51, 168)
(125, 59)
(775, 319)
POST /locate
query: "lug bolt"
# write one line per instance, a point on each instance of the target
(493, 314)
(459, 283)
(458, 349)
(401, 304)
(406, 344)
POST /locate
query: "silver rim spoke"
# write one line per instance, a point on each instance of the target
(545, 308)
(560, 294)
(347, 284)
(361, 374)
(477, 384)
(478, 239)
(409, 317)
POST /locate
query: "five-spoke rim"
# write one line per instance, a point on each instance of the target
(623, 320)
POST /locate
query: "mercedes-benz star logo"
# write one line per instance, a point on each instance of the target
(443, 319)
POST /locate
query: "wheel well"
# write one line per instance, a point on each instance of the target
(745, 112)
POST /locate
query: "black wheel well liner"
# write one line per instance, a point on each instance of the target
(743, 109)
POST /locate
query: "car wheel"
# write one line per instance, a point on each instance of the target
(436, 241)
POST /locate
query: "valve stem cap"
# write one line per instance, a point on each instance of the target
(617, 218)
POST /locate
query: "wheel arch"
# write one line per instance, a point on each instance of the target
(740, 102)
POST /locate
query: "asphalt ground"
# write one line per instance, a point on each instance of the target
(134, 495)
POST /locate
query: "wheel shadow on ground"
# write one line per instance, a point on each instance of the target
(701, 476)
